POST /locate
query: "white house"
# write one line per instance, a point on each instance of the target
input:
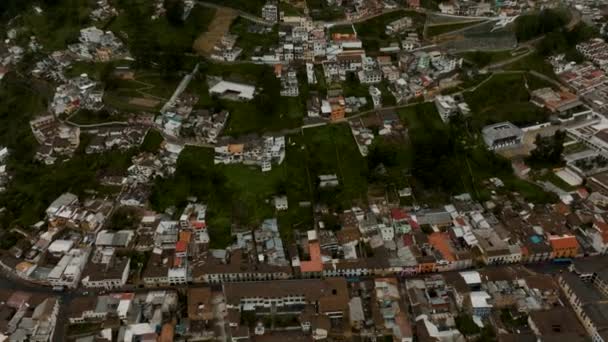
(599, 237)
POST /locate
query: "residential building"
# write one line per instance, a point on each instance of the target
(106, 270)
(448, 106)
(588, 304)
(564, 246)
(233, 91)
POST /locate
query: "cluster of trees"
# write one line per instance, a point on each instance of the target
(565, 41)
(548, 151)
(152, 142)
(174, 11)
(534, 25)
(125, 218)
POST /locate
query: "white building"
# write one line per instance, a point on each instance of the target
(270, 12)
(376, 95)
(233, 91)
(280, 203)
(502, 135)
(448, 106)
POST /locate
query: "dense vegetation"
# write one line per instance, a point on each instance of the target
(530, 26)
(548, 151)
(162, 41)
(458, 162)
(565, 41)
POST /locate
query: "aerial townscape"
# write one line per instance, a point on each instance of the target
(303, 170)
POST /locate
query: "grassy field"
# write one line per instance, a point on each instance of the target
(159, 35)
(436, 30)
(59, 24)
(511, 103)
(332, 150)
(533, 62)
(290, 10)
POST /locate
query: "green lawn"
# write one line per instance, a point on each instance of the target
(511, 103)
(534, 62)
(332, 150)
(290, 10)
(436, 30)
(485, 58)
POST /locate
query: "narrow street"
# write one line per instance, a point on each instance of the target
(9, 282)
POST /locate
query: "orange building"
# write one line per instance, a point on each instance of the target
(316, 263)
(338, 108)
(427, 267)
(441, 243)
(565, 246)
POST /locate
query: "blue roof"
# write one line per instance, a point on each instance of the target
(536, 239)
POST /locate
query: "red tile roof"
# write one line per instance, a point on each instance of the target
(408, 240)
(315, 264)
(181, 246)
(441, 242)
(563, 242)
(185, 236)
(397, 214)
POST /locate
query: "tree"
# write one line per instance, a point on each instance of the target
(548, 151)
(175, 12)
(152, 141)
(124, 218)
(533, 25)
(466, 325)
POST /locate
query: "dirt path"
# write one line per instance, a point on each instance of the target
(220, 25)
